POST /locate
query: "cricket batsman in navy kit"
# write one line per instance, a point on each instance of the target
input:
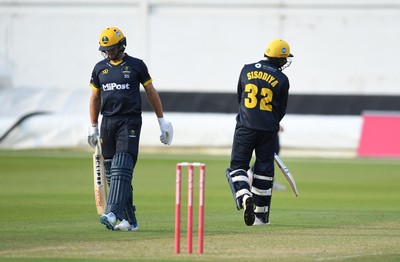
(262, 91)
(115, 86)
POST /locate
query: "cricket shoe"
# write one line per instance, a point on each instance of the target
(109, 220)
(248, 206)
(260, 222)
(124, 225)
(278, 187)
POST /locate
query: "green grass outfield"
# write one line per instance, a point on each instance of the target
(347, 210)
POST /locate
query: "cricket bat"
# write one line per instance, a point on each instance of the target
(285, 171)
(100, 183)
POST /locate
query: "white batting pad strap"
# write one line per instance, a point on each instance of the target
(241, 178)
(243, 192)
(261, 192)
(237, 170)
(261, 209)
(266, 178)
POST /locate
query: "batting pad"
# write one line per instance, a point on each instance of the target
(121, 184)
(239, 184)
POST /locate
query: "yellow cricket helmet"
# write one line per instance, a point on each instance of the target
(278, 49)
(110, 38)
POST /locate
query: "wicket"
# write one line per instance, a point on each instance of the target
(178, 188)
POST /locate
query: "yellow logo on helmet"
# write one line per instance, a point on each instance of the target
(105, 40)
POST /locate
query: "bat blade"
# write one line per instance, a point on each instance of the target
(100, 184)
(285, 171)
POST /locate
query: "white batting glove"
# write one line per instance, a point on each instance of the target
(93, 135)
(167, 132)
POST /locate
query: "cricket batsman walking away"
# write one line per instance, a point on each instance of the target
(262, 91)
(115, 84)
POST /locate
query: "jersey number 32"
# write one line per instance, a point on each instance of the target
(251, 100)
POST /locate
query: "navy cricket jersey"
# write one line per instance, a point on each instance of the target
(263, 94)
(119, 85)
